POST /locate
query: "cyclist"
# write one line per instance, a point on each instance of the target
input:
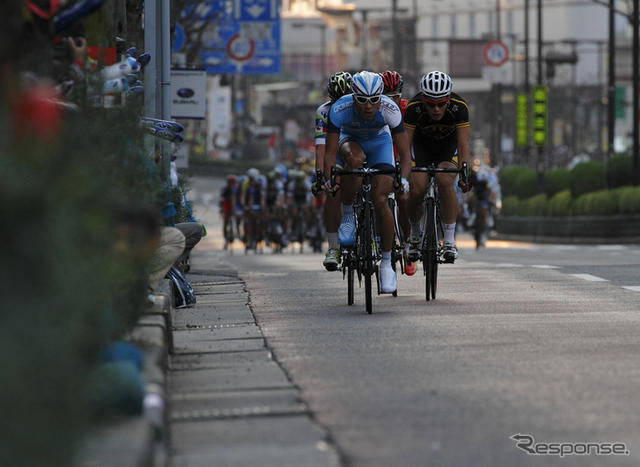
(227, 199)
(363, 127)
(298, 201)
(339, 85)
(437, 122)
(254, 204)
(393, 88)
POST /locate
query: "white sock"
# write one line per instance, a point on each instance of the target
(386, 259)
(449, 231)
(332, 238)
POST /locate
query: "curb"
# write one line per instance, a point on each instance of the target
(139, 440)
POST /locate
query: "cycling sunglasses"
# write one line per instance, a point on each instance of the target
(436, 104)
(394, 95)
(364, 99)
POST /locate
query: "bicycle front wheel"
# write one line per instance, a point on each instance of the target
(367, 258)
(430, 251)
(351, 272)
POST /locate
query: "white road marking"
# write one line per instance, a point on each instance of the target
(634, 288)
(545, 266)
(589, 277)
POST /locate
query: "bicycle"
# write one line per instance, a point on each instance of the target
(431, 244)
(229, 229)
(362, 257)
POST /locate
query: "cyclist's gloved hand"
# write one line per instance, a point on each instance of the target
(317, 189)
(404, 185)
(465, 187)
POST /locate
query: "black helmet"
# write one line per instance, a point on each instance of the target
(339, 85)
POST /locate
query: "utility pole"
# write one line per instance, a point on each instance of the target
(365, 39)
(540, 160)
(635, 88)
(527, 86)
(396, 62)
(157, 76)
(611, 94)
(498, 100)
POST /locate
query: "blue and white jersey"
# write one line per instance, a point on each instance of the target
(344, 119)
(322, 116)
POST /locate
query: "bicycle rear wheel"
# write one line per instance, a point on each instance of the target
(431, 254)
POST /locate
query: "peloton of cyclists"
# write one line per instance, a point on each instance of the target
(363, 127)
(437, 123)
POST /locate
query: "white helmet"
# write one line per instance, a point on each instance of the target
(367, 83)
(436, 85)
(253, 173)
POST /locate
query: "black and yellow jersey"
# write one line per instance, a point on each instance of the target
(428, 130)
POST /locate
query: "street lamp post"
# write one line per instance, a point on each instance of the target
(635, 87)
(611, 89)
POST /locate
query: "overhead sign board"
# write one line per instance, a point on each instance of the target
(495, 53)
(188, 93)
(245, 37)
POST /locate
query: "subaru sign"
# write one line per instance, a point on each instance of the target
(188, 93)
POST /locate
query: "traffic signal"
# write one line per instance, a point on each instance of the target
(522, 120)
(539, 115)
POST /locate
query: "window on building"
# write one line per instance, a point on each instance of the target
(472, 25)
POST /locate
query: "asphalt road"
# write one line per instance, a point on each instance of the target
(536, 340)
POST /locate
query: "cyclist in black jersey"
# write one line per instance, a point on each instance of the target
(437, 123)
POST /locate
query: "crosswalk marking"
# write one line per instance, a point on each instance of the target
(589, 277)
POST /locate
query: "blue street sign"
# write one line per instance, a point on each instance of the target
(246, 39)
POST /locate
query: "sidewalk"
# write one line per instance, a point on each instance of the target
(227, 401)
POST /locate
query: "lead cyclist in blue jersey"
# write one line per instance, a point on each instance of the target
(362, 127)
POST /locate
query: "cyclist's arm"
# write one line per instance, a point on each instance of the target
(330, 153)
(463, 145)
(320, 156)
(401, 141)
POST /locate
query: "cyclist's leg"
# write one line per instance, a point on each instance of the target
(353, 157)
(332, 216)
(380, 155)
(418, 182)
(447, 193)
(448, 207)
(382, 186)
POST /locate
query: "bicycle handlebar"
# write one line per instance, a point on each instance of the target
(363, 172)
(432, 169)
